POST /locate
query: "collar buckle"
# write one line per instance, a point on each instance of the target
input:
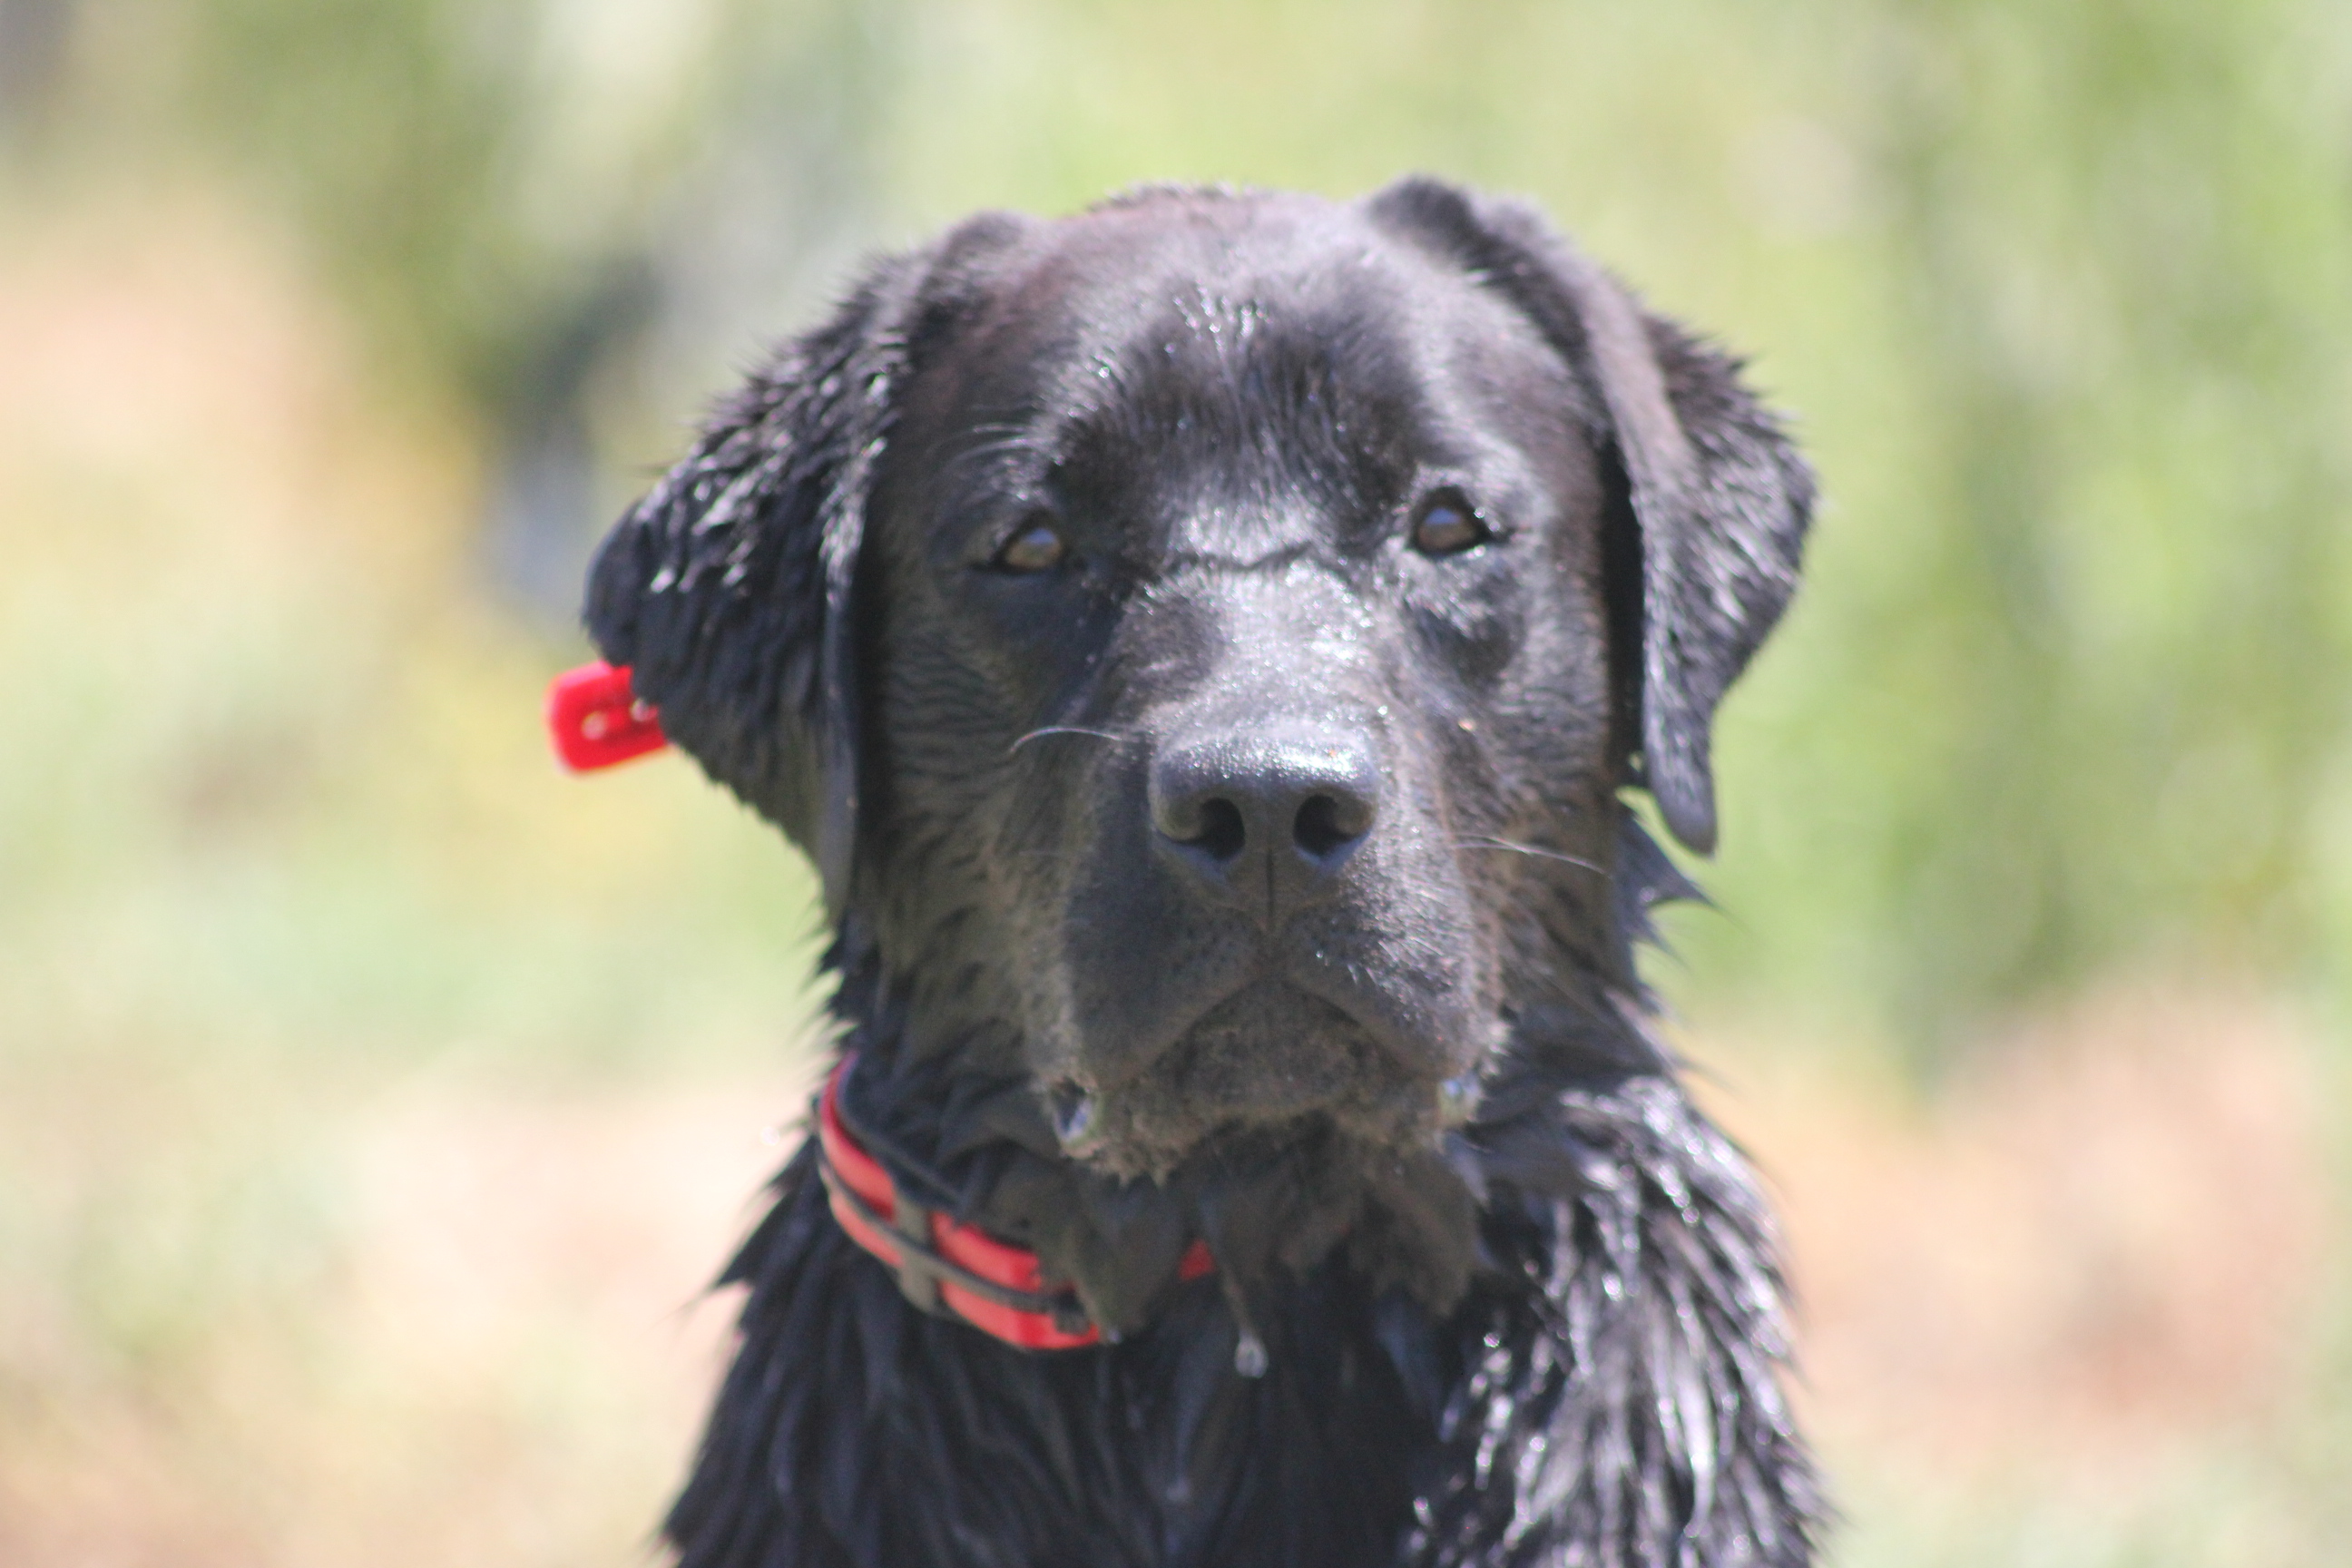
(944, 1267)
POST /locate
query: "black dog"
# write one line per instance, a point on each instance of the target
(1201, 643)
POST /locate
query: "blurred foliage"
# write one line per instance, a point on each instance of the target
(2058, 298)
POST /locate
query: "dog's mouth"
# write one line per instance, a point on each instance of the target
(1270, 1055)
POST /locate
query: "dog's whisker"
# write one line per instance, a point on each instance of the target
(1530, 849)
(1062, 729)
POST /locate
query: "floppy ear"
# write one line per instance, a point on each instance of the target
(1719, 497)
(726, 590)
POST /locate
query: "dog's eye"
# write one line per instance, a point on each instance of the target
(1035, 546)
(1447, 526)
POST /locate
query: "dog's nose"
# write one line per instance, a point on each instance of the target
(1265, 818)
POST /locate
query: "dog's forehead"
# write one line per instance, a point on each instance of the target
(1203, 340)
(1121, 269)
(1187, 283)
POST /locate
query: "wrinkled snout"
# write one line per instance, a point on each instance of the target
(1269, 924)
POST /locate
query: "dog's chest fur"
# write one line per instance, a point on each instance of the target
(1605, 1394)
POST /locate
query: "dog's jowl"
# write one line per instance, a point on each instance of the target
(1207, 645)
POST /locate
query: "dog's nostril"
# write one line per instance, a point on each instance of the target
(1220, 829)
(1324, 823)
(1209, 823)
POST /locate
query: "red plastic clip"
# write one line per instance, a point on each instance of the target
(596, 719)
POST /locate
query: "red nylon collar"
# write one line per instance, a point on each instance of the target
(944, 1264)
(596, 719)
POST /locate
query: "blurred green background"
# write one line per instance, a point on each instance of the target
(373, 1101)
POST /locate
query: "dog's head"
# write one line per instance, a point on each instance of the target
(1201, 641)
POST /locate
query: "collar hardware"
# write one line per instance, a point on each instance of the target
(944, 1267)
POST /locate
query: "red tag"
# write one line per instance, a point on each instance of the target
(596, 719)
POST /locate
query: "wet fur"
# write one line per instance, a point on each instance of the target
(1548, 1334)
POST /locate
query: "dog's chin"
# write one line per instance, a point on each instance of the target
(1268, 1058)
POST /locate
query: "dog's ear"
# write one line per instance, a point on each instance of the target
(1718, 496)
(726, 590)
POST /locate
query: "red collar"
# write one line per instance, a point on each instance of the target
(942, 1263)
(596, 719)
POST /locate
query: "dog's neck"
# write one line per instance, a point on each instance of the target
(1607, 1374)
(966, 1131)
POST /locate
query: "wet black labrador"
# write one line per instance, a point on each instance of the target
(1204, 643)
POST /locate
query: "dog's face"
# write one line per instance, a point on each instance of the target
(1233, 595)
(1203, 640)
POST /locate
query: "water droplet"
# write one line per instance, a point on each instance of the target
(1073, 1117)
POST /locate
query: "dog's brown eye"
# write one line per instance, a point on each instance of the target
(1036, 547)
(1448, 527)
